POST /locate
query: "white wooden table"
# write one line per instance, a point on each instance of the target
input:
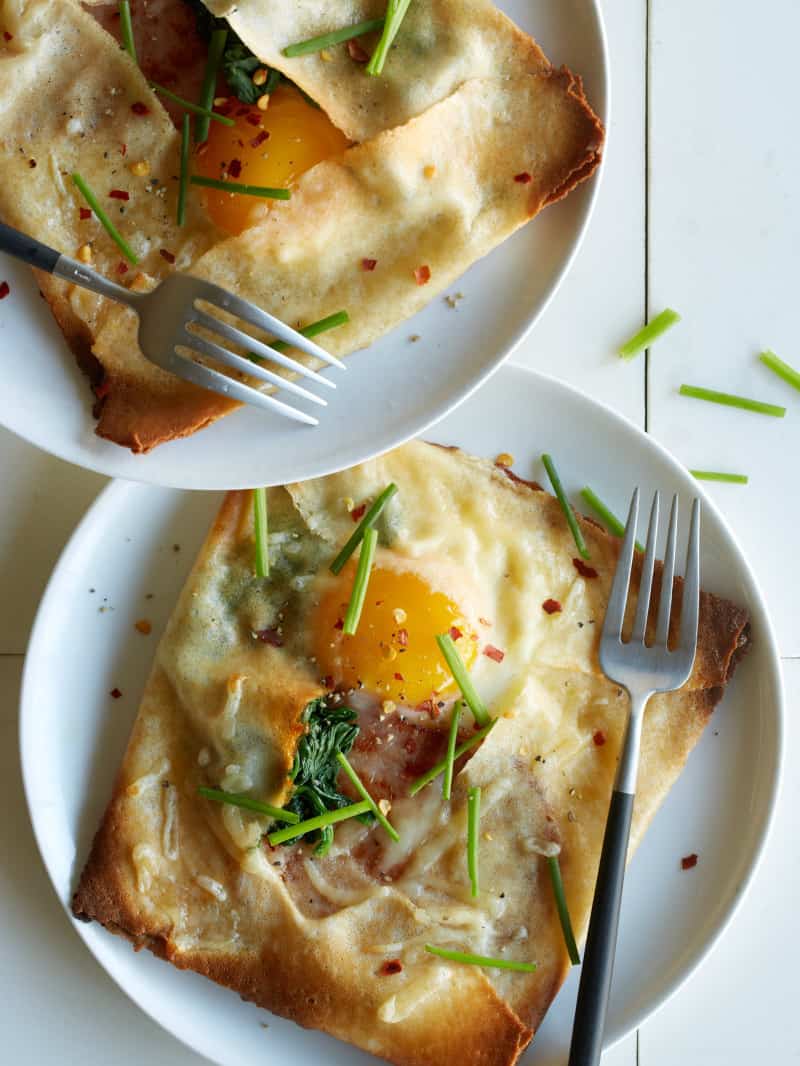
(698, 210)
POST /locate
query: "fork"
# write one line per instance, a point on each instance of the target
(169, 316)
(642, 671)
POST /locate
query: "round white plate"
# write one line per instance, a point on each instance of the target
(137, 542)
(389, 393)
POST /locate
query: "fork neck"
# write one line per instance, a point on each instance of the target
(628, 766)
(80, 274)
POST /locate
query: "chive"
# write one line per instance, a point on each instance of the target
(452, 737)
(358, 595)
(395, 13)
(461, 677)
(261, 532)
(465, 746)
(236, 799)
(327, 40)
(243, 190)
(715, 475)
(569, 514)
(613, 524)
(126, 28)
(481, 960)
(561, 907)
(183, 183)
(103, 218)
(359, 787)
(321, 326)
(729, 400)
(299, 829)
(187, 105)
(216, 46)
(649, 333)
(366, 523)
(473, 823)
(783, 370)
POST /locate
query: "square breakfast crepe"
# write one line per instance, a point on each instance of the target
(255, 684)
(465, 137)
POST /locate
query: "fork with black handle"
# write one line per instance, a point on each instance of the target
(642, 671)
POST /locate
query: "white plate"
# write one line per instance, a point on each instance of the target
(390, 392)
(73, 734)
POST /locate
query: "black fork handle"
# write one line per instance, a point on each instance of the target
(30, 251)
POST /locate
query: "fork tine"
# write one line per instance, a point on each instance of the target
(236, 336)
(238, 362)
(690, 608)
(667, 575)
(213, 380)
(615, 612)
(646, 580)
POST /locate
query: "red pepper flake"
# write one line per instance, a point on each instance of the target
(123, 149)
(551, 606)
(259, 139)
(358, 512)
(102, 389)
(119, 194)
(143, 626)
(122, 268)
(422, 275)
(430, 707)
(399, 677)
(491, 652)
(253, 119)
(369, 264)
(455, 633)
(583, 569)
(391, 966)
(270, 636)
(235, 168)
(8, 36)
(402, 637)
(357, 53)
(32, 163)
(84, 213)
(4, 290)
(689, 861)
(339, 623)
(170, 258)
(138, 108)
(327, 681)
(524, 178)
(115, 693)
(599, 738)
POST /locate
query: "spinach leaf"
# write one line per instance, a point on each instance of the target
(239, 64)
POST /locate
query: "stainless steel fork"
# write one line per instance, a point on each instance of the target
(642, 671)
(168, 320)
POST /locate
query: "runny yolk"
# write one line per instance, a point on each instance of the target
(299, 135)
(393, 653)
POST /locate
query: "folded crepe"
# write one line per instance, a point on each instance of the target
(254, 687)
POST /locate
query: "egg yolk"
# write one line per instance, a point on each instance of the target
(268, 148)
(393, 653)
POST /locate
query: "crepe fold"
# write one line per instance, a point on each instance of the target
(308, 936)
(436, 184)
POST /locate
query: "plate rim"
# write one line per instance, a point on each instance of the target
(767, 639)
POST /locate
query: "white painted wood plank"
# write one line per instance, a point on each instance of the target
(724, 239)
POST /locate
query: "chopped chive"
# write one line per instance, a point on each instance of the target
(366, 523)
(183, 182)
(216, 46)
(569, 514)
(327, 40)
(649, 333)
(357, 596)
(319, 821)
(561, 907)
(103, 218)
(359, 787)
(236, 799)
(321, 326)
(126, 29)
(452, 737)
(439, 768)
(187, 105)
(611, 521)
(783, 370)
(715, 475)
(395, 13)
(461, 677)
(261, 532)
(243, 190)
(481, 960)
(473, 823)
(728, 400)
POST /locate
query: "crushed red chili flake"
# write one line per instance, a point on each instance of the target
(583, 569)
(402, 637)
(102, 389)
(358, 512)
(524, 178)
(391, 966)
(123, 149)
(122, 268)
(369, 264)
(115, 693)
(235, 168)
(357, 53)
(339, 623)
(8, 36)
(31, 163)
(422, 275)
(170, 258)
(551, 606)
(143, 626)
(270, 636)
(253, 119)
(430, 707)
(399, 677)
(259, 139)
(4, 289)
(455, 633)
(599, 738)
(84, 213)
(119, 194)
(491, 652)
(688, 861)
(138, 108)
